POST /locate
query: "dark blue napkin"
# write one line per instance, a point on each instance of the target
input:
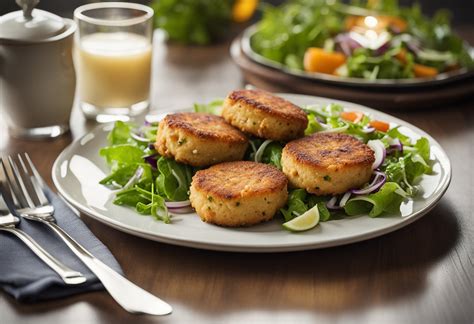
(24, 276)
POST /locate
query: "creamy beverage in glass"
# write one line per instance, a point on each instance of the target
(113, 54)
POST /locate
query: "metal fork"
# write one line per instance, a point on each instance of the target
(8, 223)
(32, 204)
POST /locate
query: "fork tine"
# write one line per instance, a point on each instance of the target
(21, 192)
(25, 176)
(19, 201)
(36, 179)
(5, 188)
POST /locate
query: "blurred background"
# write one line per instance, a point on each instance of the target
(462, 10)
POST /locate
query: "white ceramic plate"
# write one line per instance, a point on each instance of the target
(79, 168)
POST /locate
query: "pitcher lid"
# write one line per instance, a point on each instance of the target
(30, 24)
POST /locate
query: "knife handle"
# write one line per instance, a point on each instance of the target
(128, 295)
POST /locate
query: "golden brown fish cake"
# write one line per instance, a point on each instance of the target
(199, 139)
(241, 193)
(264, 115)
(327, 163)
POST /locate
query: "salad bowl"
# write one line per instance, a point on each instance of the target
(445, 78)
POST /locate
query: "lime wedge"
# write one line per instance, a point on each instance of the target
(304, 222)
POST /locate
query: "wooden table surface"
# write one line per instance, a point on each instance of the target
(422, 273)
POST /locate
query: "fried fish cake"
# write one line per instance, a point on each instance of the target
(199, 139)
(239, 193)
(264, 115)
(327, 163)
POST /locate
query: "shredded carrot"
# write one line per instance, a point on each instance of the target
(353, 116)
(380, 125)
(423, 71)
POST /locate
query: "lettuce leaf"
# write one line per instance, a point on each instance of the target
(121, 155)
(387, 199)
(214, 107)
(120, 134)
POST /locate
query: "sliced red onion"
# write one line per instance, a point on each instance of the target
(177, 204)
(368, 129)
(374, 186)
(139, 138)
(344, 199)
(346, 43)
(380, 152)
(414, 46)
(382, 49)
(331, 204)
(395, 145)
(151, 160)
(151, 146)
(320, 120)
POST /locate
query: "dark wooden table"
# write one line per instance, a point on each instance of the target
(422, 273)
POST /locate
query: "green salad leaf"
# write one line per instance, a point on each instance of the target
(387, 199)
(300, 201)
(286, 32)
(174, 179)
(122, 155)
(145, 179)
(120, 134)
(214, 107)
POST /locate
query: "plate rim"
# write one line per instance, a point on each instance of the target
(407, 83)
(258, 248)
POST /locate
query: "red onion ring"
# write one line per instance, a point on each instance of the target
(331, 204)
(139, 138)
(375, 185)
(380, 152)
(395, 145)
(368, 130)
(345, 198)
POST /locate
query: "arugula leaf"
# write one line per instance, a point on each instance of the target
(295, 205)
(120, 176)
(300, 201)
(174, 179)
(272, 154)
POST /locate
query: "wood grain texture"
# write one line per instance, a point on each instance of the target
(422, 273)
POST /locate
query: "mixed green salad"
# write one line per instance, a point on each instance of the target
(159, 186)
(366, 39)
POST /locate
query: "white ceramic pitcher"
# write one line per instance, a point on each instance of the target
(37, 78)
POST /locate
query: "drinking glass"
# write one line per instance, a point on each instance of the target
(113, 53)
